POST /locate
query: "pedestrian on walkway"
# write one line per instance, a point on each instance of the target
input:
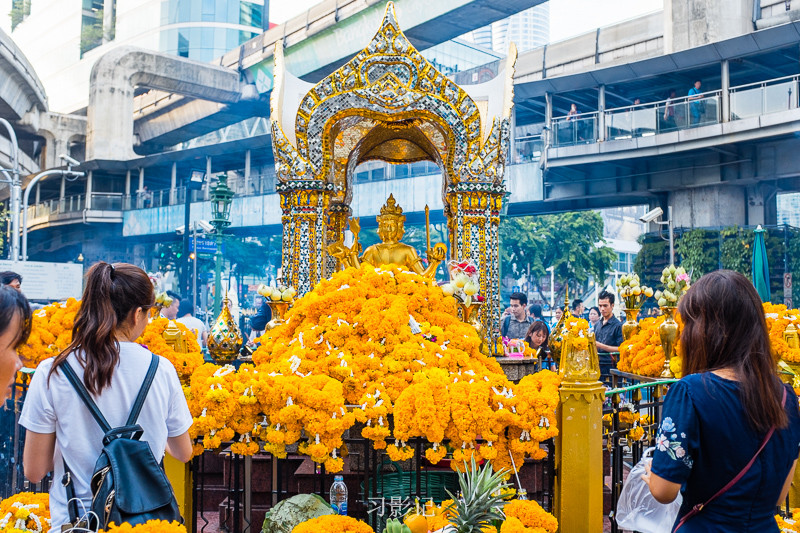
(105, 356)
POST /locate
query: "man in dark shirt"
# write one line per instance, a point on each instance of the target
(608, 335)
(516, 324)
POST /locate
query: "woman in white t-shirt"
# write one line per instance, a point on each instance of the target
(112, 366)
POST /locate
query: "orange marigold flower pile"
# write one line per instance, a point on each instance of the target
(349, 342)
(642, 354)
(332, 524)
(184, 363)
(25, 512)
(51, 332)
(778, 317)
(151, 526)
(527, 516)
(789, 524)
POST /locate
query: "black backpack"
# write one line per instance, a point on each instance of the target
(128, 485)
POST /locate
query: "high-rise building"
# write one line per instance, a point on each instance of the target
(527, 29)
(65, 38)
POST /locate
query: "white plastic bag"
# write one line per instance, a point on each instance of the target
(637, 510)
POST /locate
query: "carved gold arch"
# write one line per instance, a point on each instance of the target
(389, 103)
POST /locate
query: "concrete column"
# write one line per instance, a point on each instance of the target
(140, 190)
(715, 205)
(762, 205)
(38, 194)
(247, 172)
(726, 91)
(62, 193)
(548, 110)
(173, 192)
(89, 178)
(691, 23)
(601, 113)
(108, 20)
(128, 183)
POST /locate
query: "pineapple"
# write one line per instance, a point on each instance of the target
(482, 499)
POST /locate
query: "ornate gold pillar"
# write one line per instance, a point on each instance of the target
(335, 226)
(303, 205)
(474, 219)
(579, 444)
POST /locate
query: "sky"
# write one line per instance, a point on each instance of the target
(567, 17)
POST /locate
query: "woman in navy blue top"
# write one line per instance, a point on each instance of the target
(716, 417)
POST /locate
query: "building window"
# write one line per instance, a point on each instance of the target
(183, 45)
(20, 9)
(91, 25)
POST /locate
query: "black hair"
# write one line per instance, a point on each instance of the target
(519, 296)
(186, 307)
(535, 310)
(8, 276)
(13, 303)
(174, 295)
(576, 302)
(605, 295)
(596, 310)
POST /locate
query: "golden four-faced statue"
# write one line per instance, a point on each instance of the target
(390, 250)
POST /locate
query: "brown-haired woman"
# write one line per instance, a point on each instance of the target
(536, 337)
(104, 355)
(15, 326)
(729, 403)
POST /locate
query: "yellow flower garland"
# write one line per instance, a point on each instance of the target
(789, 525)
(51, 332)
(184, 363)
(25, 512)
(332, 524)
(151, 526)
(527, 516)
(642, 354)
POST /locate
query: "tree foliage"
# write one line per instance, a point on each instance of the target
(570, 242)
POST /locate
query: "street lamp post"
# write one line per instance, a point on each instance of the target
(552, 271)
(221, 197)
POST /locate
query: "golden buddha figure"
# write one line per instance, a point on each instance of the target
(390, 250)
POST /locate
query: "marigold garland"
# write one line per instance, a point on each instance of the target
(151, 526)
(332, 524)
(789, 524)
(642, 354)
(184, 363)
(51, 332)
(25, 512)
(527, 516)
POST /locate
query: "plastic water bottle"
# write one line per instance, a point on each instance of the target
(339, 495)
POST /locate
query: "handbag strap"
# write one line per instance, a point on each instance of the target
(83, 394)
(699, 507)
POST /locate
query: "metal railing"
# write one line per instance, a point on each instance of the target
(673, 114)
(527, 149)
(633, 402)
(12, 442)
(575, 129)
(102, 201)
(761, 98)
(378, 488)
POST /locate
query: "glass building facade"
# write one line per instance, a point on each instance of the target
(206, 29)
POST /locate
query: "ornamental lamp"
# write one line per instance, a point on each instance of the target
(221, 197)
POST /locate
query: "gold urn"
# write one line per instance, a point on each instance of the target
(630, 327)
(470, 314)
(668, 331)
(224, 339)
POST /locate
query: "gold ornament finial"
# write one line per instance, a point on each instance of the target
(390, 208)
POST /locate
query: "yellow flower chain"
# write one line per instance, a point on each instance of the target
(151, 526)
(527, 516)
(332, 524)
(25, 512)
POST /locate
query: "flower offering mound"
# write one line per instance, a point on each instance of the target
(51, 332)
(366, 345)
(778, 318)
(527, 516)
(25, 511)
(332, 524)
(151, 526)
(184, 363)
(642, 354)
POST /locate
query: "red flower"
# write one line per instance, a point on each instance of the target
(462, 266)
(470, 270)
(479, 298)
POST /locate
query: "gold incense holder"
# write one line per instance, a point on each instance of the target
(224, 339)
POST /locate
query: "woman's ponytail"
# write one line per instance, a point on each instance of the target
(111, 293)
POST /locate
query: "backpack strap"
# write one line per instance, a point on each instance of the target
(83, 394)
(148, 380)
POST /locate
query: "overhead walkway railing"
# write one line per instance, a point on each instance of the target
(771, 96)
(652, 118)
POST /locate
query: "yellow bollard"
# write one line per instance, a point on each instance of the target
(180, 476)
(579, 445)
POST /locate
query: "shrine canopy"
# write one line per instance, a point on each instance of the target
(389, 103)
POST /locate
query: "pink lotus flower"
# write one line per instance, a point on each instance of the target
(683, 277)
